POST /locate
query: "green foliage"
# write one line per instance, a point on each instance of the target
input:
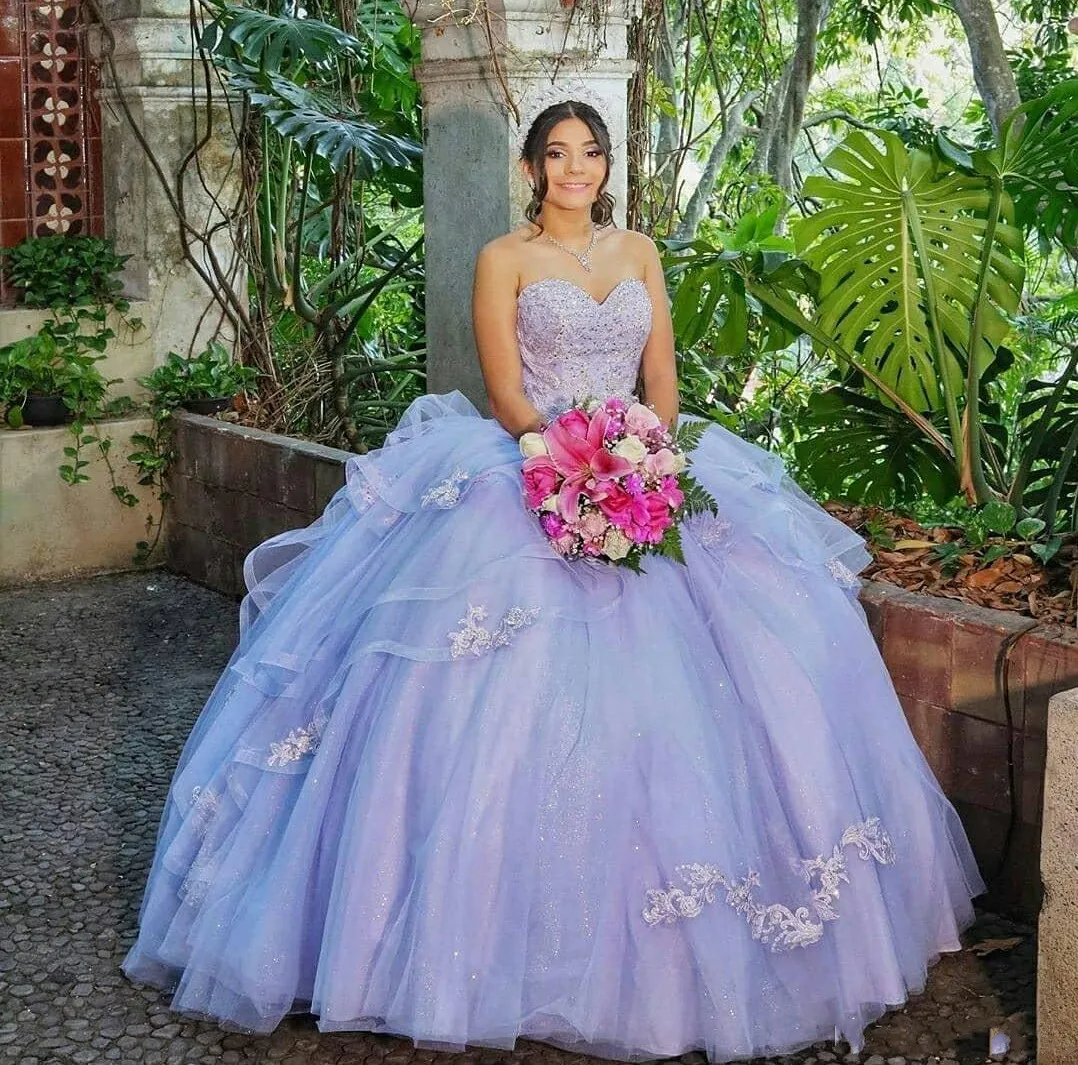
(66, 271)
(77, 279)
(47, 365)
(211, 374)
(1038, 163)
(333, 160)
(992, 532)
(853, 446)
(898, 246)
(324, 127)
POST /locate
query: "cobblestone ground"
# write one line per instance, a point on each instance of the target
(101, 681)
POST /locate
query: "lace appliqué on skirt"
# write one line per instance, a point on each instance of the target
(714, 531)
(843, 574)
(298, 742)
(475, 639)
(778, 926)
(446, 493)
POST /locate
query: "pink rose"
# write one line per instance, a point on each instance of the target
(541, 479)
(617, 505)
(661, 463)
(641, 420)
(649, 518)
(574, 422)
(658, 517)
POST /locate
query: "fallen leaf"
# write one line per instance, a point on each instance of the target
(992, 946)
(912, 545)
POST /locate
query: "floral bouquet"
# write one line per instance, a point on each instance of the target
(609, 482)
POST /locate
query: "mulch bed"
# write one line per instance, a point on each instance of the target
(904, 553)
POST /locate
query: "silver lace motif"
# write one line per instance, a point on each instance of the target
(843, 574)
(446, 493)
(714, 531)
(475, 639)
(778, 926)
(203, 807)
(298, 742)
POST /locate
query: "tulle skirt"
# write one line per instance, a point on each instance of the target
(455, 787)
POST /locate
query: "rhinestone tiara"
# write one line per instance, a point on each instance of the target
(543, 94)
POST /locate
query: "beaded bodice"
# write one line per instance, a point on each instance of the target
(573, 347)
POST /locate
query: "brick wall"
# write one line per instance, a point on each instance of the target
(234, 487)
(944, 658)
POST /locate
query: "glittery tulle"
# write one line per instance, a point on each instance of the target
(453, 786)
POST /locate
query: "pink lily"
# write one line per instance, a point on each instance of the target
(576, 449)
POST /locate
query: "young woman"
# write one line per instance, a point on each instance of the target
(457, 787)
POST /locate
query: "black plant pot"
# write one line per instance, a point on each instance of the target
(44, 410)
(207, 406)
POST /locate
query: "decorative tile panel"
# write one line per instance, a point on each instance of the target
(50, 128)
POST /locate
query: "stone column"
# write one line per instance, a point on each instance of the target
(163, 85)
(479, 61)
(1057, 972)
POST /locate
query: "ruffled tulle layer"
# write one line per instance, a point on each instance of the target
(454, 787)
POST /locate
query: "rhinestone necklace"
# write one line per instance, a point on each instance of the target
(582, 257)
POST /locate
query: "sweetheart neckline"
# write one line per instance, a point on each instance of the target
(580, 288)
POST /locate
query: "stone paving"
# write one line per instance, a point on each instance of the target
(100, 683)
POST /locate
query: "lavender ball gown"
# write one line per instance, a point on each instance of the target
(453, 786)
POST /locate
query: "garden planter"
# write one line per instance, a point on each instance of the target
(44, 410)
(208, 405)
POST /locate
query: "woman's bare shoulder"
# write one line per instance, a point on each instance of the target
(630, 245)
(509, 248)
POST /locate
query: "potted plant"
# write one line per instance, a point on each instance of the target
(44, 380)
(205, 384)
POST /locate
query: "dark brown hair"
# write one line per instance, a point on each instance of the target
(534, 153)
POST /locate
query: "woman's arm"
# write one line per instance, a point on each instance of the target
(658, 368)
(494, 320)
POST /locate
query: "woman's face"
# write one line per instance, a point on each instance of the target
(575, 165)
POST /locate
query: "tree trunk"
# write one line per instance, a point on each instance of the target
(802, 65)
(733, 131)
(991, 71)
(668, 135)
(768, 122)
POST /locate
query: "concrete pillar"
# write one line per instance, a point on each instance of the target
(477, 65)
(163, 84)
(1057, 971)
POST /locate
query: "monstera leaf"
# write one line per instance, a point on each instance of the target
(322, 126)
(856, 448)
(1040, 163)
(1048, 435)
(275, 43)
(898, 247)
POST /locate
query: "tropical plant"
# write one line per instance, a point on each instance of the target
(44, 365)
(333, 138)
(67, 271)
(211, 374)
(909, 277)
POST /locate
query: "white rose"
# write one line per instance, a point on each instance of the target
(631, 448)
(550, 503)
(532, 445)
(680, 462)
(616, 544)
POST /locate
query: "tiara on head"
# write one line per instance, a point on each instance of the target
(544, 94)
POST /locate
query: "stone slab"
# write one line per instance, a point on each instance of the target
(50, 529)
(1057, 971)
